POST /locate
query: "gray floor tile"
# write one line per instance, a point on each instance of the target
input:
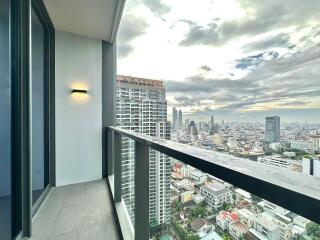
(74, 235)
(79, 211)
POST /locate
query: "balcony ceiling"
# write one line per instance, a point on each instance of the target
(92, 18)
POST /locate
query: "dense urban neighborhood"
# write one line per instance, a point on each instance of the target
(206, 208)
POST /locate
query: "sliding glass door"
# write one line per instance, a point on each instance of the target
(26, 113)
(39, 95)
(5, 124)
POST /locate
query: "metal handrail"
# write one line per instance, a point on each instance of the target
(297, 192)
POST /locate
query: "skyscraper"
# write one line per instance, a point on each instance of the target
(142, 107)
(179, 119)
(212, 122)
(174, 118)
(212, 126)
(272, 129)
(192, 128)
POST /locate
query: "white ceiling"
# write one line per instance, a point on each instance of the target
(92, 18)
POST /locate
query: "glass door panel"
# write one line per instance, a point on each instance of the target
(5, 124)
(38, 120)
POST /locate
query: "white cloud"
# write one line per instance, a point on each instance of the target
(218, 34)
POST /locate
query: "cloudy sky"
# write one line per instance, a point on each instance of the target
(234, 59)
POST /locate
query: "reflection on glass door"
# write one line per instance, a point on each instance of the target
(38, 119)
(5, 124)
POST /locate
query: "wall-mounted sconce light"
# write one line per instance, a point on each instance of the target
(84, 91)
(79, 92)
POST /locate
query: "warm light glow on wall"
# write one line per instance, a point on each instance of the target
(79, 92)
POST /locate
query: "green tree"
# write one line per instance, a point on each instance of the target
(226, 206)
(191, 236)
(313, 229)
(199, 211)
(226, 237)
(299, 237)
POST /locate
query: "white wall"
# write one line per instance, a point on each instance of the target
(78, 121)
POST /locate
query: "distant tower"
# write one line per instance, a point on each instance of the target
(212, 122)
(174, 118)
(186, 123)
(180, 119)
(212, 127)
(192, 128)
(272, 129)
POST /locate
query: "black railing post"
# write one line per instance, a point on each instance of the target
(110, 151)
(117, 167)
(141, 214)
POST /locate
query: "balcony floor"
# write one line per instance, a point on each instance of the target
(77, 212)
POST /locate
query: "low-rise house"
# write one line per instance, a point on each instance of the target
(285, 225)
(197, 198)
(243, 194)
(298, 231)
(301, 221)
(198, 225)
(198, 176)
(299, 226)
(266, 227)
(254, 235)
(224, 219)
(186, 170)
(273, 208)
(237, 230)
(176, 175)
(215, 194)
(243, 204)
(184, 183)
(246, 217)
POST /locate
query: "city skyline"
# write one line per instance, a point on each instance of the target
(243, 67)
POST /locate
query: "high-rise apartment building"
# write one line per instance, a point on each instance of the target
(272, 129)
(142, 107)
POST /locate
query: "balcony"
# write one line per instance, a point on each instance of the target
(66, 174)
(84, 210)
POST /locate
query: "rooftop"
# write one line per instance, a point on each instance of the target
(197, 224)
(140, 81)
(245, 212)
(239, 227)
(214, 188)
(256, 235)
(231, 215)
(266, 222)
(197, 173)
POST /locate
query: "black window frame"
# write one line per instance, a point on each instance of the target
(20, 50)
(39, 8)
